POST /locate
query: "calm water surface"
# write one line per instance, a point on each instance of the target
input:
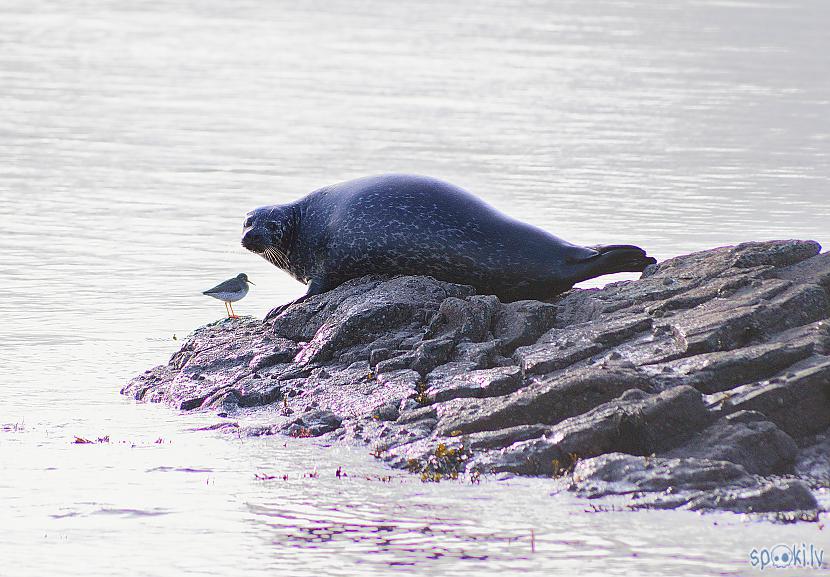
(134, 136)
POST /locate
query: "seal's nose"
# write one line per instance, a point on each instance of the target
(254, 240)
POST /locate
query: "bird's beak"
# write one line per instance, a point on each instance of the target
(249, 282)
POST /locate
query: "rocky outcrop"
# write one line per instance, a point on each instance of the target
(703, 385)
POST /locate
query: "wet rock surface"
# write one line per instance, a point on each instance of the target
(703, 385)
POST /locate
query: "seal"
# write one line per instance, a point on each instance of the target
(417, 225)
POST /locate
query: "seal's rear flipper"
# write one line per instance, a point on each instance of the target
(613, 258)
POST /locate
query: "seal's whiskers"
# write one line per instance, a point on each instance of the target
(275, 257)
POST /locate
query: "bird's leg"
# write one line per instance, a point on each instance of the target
(233, 314)
(226, 309)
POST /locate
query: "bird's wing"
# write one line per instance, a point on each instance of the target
(231, 285)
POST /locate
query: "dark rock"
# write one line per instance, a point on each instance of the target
(723, 370)
(301, 322)
(482, 355)
(636, 426)
(521, 323)
(387, 412)
(388, 343)
(561, 348)
(481, 383)
(620, 473)
(353, 355)
(775, 253)
(431, 353)
(364, 316)
(378, 355)
(284, 352)
(746, 439)
(813, 462)
(547, 401)
(504, 437)
(468, 319)
(450, 370)
(726, 324)
(799, 402)
(696, 484)
(261, 395)
(776, 495)
(528, 457)
(717, 288)
(814, 270)
(397, 361)
(417, 414)
(601, 386)
(312, 424)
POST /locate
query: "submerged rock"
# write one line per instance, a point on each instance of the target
(703, 385)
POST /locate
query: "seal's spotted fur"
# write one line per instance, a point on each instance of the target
(405, 224)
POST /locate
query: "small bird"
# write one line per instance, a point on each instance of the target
(230, 291)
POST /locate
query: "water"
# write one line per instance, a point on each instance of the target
(134, 137)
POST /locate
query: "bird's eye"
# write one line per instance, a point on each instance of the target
(248, 222)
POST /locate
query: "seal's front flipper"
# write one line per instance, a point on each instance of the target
(315, 287)
(614, 258)
(277, 311)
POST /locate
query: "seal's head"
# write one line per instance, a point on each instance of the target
(269, 232)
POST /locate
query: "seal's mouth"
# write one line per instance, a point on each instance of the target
(255, 240)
